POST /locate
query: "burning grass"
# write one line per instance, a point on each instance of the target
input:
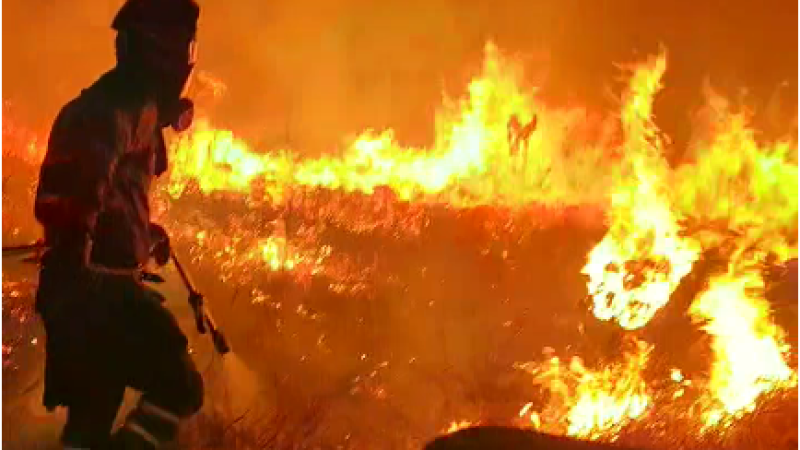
(398, 288)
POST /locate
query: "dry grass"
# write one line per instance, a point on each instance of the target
(463, 350)
(772, 426)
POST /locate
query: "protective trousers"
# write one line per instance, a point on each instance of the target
(106, 333)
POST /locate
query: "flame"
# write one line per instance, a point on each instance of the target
(742, 199)
(471, 162)
(458, 425)
(642, 258)
(733, 192)
(276, 255)
(20, 142)
(738, 189)
(216, 160)
(750, 354)
(591, 404)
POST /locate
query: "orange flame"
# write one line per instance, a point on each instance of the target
(735, 193)
(750, 355)
(591, 404)
(632, 271)
(639, 263)
(458, 425)
(471, 162)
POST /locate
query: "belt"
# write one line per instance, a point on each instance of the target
(137, 273)
(118, 271)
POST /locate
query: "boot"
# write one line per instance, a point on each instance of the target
(146, 428)
(127, 439)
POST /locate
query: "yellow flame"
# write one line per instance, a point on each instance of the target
(733, 192)
(276, 254)
(732, 186)
(750, 354)
(217, 160)
(591, 404)
(738, 188)
(472, 160)
(458, 425)
(639, 263)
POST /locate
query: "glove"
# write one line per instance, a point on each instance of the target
(160, 248)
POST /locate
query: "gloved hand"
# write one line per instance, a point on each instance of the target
(160, 248)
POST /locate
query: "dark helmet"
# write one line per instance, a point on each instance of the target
(153, 14)
(166, 28)
(157, 39)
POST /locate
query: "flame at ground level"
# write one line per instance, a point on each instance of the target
(750, 355)
(591, 404)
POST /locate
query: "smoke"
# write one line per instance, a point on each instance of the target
(308, 73)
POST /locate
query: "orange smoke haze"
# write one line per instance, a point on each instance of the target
(308, 73)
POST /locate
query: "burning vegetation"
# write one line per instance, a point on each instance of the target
(279, 227)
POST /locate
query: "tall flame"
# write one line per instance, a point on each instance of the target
(750, 354)
(639, 263)
(738, 188)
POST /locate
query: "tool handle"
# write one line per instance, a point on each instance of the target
(183, 274)
(38, 245)
(196, 302)
(203, 320)
(217, 338)
(195, 297)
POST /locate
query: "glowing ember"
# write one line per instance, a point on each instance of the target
(458, 426)
(590, 404)
(19, 142)
(750, 355)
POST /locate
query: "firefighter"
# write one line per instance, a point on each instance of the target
(105, 329)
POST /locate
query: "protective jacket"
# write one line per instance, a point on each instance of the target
(104, 151)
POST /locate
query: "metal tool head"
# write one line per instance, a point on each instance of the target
(220, 343)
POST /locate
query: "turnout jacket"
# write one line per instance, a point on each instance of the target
(105, 148)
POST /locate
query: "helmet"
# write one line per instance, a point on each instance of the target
(174, 15)
(167, 26)
(156, 38)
